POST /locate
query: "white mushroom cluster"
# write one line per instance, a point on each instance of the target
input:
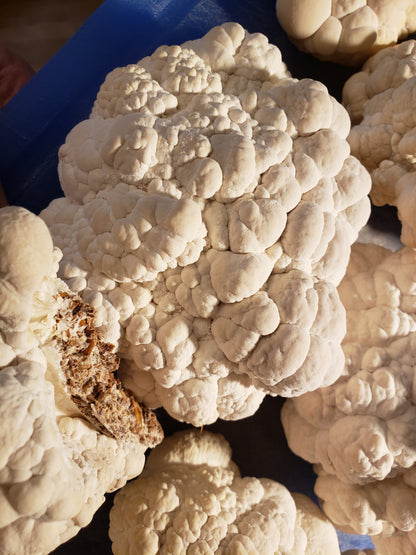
(62, 445)
(360, 432)
(381, 101)
(192, 499)
(346, 31)
(210, 204)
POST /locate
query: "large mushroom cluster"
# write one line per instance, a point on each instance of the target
(206, 254)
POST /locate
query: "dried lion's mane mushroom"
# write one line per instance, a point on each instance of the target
(58, 394)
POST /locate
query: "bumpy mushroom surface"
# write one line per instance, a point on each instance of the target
(381, 102)
(192, 499)
(346, 31)
(210, 204)
(69, 432)
(360, 431)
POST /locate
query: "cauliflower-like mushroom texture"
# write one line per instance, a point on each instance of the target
(360, 432)
(381, 100)
(192, 499)
(346, 31)
(69, 433)
(210, 204)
